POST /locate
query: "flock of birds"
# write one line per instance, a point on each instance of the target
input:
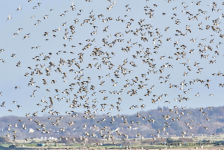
(145, 50)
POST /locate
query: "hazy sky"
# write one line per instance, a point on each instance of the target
(12, 76)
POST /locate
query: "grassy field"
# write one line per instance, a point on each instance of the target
(215, 143)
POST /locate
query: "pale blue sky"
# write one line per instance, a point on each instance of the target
(12, 76)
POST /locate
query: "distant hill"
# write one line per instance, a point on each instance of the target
(206, 121)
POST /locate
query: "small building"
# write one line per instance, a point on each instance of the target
(12, 146)
(40, 144)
